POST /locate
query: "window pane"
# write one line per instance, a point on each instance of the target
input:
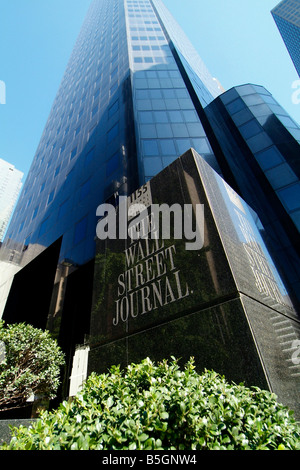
(168, 147)
(80, 230)
(62, 210)
(250, 129)
(160, 116)
(235, 106)
(150, 147)
(259, 142)
(112, 134)
(183, 145)
(152, 166)
(269, 158)
(89, 156)
(112, 164)
(44, 227)
(85, 189)
(145, 117)
(290, 196)
(281, 176)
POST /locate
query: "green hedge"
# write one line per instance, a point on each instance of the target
(30, 365)
(160, 406)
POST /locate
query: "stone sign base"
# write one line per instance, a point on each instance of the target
(219, 300)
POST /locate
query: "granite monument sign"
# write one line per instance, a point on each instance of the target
(182, 270)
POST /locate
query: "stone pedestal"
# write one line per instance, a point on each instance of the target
(209, 290)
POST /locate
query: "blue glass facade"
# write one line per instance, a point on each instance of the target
(258, 152)
(86, 148)
(167, 123)
(287, 18)
(121, 115)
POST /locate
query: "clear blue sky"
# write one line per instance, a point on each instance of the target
(237, 39)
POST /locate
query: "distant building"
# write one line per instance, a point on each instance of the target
(10, 186)
(287, 18)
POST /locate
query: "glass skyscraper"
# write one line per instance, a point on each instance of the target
(134, 98)
(122, 114)
(287, 18)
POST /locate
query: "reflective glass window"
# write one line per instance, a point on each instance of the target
(180, 130)
(44, 227)
(112, 164)
(250, 129)
(85, 189)
(27, 240)
(147, 131)
(164, 130)
(113, 88)
(288, 122)
(183, 145)
(160, 116)
(50, 197)
(89, 156)
(21, 226)
(269, 99)
(146, 117)
(290, 196)
(113, 109)
(42, 187)
(73, 153)
(252, 100)
(34, 214)
(281, 175)
(63, 210)
(229, 96)
(168, 147)
(261, 110)
(235, 106)
(113, 132)
(269, 158)
(57, 171)
(176, 116)
(150, 147)
(152, 166)
(80, 230)
(296, 218)
(195, 129)
(201, 146)
(295, 133)
(190, 116)
(259, 142)
(242, 116)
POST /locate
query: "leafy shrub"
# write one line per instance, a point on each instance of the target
(159, 406)
(30, 364)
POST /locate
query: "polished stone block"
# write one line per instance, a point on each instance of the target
(208, 290)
